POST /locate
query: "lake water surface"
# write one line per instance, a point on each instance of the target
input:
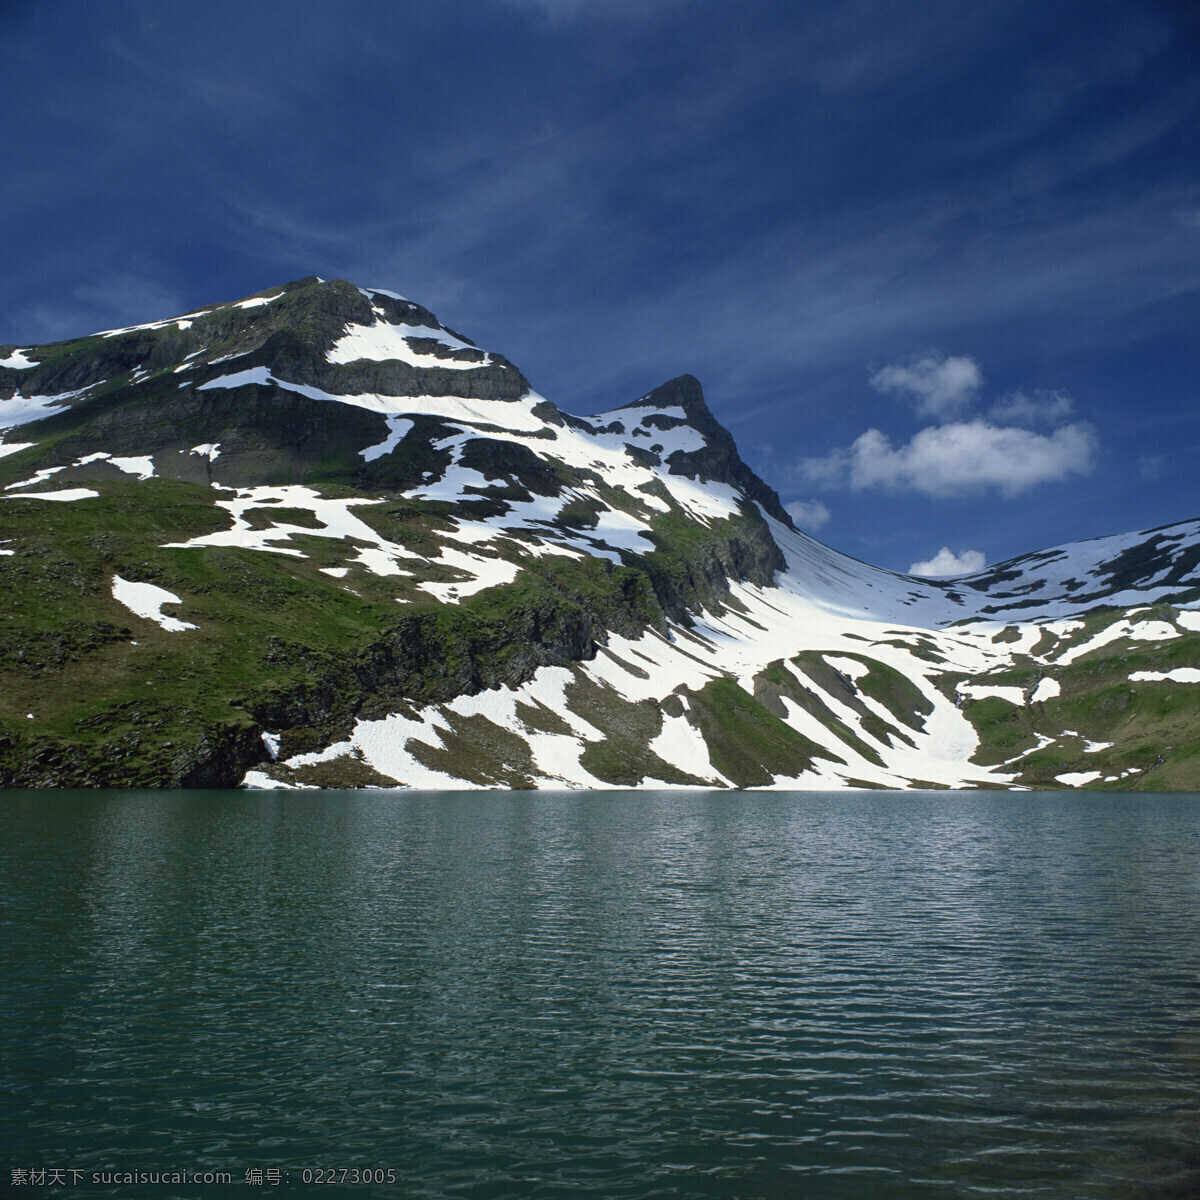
(819, 995)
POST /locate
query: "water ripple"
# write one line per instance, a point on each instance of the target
(642, 995)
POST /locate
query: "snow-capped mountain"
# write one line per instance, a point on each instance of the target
(318, 538)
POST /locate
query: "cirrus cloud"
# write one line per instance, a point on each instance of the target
(959, 458)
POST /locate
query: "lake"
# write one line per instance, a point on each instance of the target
(619, 994)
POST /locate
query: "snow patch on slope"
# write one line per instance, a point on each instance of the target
(1177, 675)
(33, 481)
(65, 494)
(142, 466)
(336, 521)
(381, 342)
(505, 413)
(20, 410)
(185, 321)
(398, 428)
(484, 572)
(369, 292)
(255, 301)
(1144, 631)
(146, 600)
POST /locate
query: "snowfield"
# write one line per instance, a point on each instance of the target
(825, 603)
(736, 644)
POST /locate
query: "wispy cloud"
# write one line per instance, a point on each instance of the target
(958, 459)
(625, 225)
(562, 12)
(945, 562)
(1037, 407)
(103, 303)
(1150, 466)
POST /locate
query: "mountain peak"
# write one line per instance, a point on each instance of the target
(393, 562)
(684, 391)
(681, 401)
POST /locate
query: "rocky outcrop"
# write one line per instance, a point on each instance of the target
(215, 755)
(693, 571)
(719, 459)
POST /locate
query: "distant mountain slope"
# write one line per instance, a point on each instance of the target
(317, 538)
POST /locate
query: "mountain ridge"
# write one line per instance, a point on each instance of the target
(395, 563)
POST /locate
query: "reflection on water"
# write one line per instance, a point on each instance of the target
(628, 994)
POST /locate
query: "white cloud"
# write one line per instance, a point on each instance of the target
(938, 385)
(959, 458)
(808, 514)
(1032, 408)
(946, 562)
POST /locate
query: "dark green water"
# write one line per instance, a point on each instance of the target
(611, 994)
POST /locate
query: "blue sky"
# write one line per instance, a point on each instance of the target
(937, 264)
